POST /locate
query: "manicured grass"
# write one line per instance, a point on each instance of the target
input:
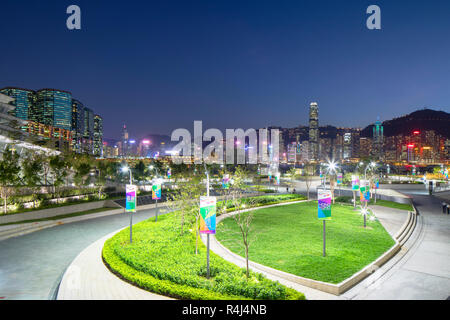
(391, 204)
(384, 203)
(162, 260)
(289, 238)
(63, 216)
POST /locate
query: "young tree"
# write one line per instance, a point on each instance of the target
(102, 170)
(9, 175)
(332, 186)
(293, 176)
(243, 219)
(31, 173)
(308, 173)
(185, 200)
(59, 169)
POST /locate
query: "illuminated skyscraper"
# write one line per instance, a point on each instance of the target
(88, 135)
(77, 125)
(54, 108)
(23, 102)
(125, 147)
(98, 136)
(313, 131)
(378, 140)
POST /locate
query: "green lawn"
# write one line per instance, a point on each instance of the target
(391, 204)
(289, 238)
(384, 203)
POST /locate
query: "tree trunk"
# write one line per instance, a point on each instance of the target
(196, 235)
(246, 261)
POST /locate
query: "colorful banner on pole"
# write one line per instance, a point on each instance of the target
(169, 173)
(339, 179)
(208, 215)
(355, 183)
(130, 203)
(156, 191)
(277, 179)
(226, 181)
(324, 204)
(364, 190)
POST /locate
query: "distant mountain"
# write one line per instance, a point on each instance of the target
(422, 120)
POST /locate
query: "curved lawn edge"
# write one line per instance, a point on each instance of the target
(168, 288)
(257, 262)
(333, 288)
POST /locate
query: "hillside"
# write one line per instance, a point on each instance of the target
(424, 119)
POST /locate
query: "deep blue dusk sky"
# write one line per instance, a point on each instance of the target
(160, 65)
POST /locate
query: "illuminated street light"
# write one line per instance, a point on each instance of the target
(126, 169)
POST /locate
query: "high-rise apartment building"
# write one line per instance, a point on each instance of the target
(314, 131)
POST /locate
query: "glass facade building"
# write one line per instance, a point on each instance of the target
(54, 108)
(77, 125)
(53, 113)
(88, 134)
(24, 100)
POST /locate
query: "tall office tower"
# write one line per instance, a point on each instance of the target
(53, 108)
(347, 146)
(88, 135)
(125, 146)
(314, 131)
(23, 102)
(355, 143)
(365, 147)
(98, 136)
(77, 126)
(377, 140)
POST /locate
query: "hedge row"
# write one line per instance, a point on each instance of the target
(163, 260)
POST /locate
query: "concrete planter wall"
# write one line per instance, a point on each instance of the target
(53, 212)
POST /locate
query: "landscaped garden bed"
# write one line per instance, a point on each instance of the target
(162, 260)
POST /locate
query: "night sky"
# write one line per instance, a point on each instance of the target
(160, 65)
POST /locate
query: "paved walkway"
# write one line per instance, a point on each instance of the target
(444, 196)
(87, 278)
(32, 265)
(422, 269)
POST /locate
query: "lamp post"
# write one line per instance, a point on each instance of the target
(364, 210)
(151, 167)
(207, 235)
(125, 169)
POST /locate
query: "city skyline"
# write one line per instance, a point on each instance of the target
(232, 64)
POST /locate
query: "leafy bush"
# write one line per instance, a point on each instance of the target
(163, 260)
